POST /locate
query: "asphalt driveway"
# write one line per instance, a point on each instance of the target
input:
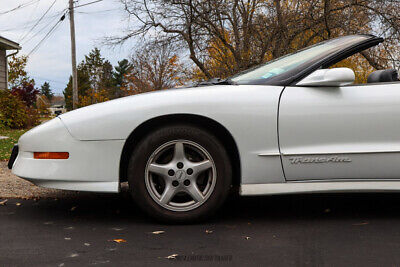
(302, 230)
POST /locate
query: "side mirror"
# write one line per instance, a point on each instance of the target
(329, 77)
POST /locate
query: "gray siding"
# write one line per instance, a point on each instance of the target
(3, 70)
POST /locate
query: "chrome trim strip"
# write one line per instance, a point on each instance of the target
(270, 154)
(339, 153)
(318, 187)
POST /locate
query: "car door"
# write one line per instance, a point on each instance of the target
(348, 132)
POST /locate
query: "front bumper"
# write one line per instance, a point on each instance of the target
(91, 166)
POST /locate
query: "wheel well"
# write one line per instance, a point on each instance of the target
(216, 128)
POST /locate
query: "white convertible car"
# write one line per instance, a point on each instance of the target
(292, 125)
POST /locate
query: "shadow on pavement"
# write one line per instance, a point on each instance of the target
(289, 230)
(92, 206)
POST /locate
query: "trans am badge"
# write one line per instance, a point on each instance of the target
(332, 159)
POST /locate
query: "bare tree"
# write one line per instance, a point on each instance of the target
(153, 67)
(253, 31)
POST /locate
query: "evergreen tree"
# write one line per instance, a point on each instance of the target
(123, 68)
(94, 78)
(119, 76)
(46, 91)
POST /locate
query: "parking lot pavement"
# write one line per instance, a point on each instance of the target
(301, 230)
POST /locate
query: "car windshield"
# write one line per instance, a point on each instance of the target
(298, 59)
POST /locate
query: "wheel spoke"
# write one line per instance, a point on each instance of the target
(199, 167)
(168, 194)
(179, 152)
(158, 169)
(180, 175)
(195, 193)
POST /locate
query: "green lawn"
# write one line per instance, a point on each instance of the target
(7, 144)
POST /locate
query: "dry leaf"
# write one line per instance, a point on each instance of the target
(158, 232)
(209, 231)
(172, 257)
(362, 223)
(3, 203)
(119, 240)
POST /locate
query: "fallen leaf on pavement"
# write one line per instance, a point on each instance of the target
(3, 203)
(158, 232)
(361, 223)
(172, 257)
(119, 240)
(209, 231)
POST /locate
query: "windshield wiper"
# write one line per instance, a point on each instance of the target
(215, 81)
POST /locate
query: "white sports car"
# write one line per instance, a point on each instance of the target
(288, 126)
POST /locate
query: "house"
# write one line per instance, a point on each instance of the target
(57, 106)
(5, 45)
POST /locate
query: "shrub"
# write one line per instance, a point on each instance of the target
(33, 118)
(26, 93)
(14, 113)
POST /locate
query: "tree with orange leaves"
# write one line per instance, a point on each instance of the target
(154, 67)
(227, 36)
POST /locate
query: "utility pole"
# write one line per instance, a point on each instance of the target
(73, 56)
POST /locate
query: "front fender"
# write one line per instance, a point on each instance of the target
(248, 112)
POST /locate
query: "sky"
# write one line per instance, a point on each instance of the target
(52, 60)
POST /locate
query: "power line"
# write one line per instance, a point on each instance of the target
(30, 17)
(98, 11)
(19, 7)
(34, 10)
(49, 80)
(29, 24)
(47, 35)
(43, 28)
(89, 3)
(40, 19)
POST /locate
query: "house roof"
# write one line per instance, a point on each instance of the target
(6, 44)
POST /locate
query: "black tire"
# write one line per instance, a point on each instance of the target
(143, 151)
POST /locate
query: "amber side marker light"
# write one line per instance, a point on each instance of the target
(50, 155)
